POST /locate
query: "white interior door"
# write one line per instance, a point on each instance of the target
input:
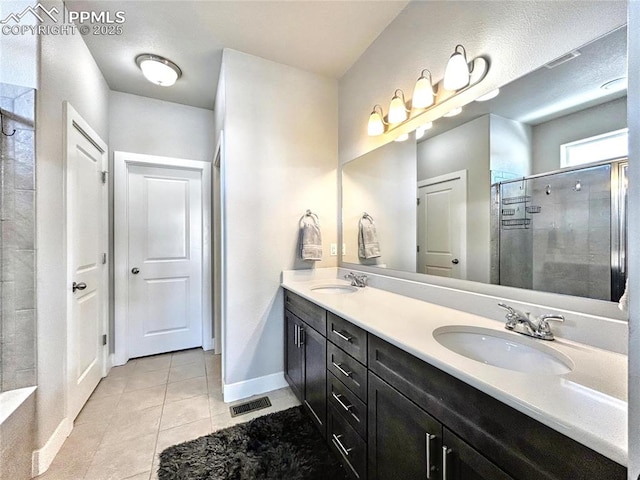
(161, 219)
(442, 225)
(86, 157)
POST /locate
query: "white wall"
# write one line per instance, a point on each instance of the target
(67, 72)
(155, 127)
(548, 136)
(509, 146)
(633, 117)
(517, 36)
(465, 148)
(383, 184)
(18, 53)
(280, 159)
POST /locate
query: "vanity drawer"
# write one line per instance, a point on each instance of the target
(348, 370)
(309, 312)
(347, 443)
(348, 337)
(347, 404)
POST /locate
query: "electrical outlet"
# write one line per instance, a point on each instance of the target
(334, 249)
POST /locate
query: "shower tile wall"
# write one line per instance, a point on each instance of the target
(572, 233)
(17, 242)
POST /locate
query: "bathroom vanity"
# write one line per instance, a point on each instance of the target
(394, 402)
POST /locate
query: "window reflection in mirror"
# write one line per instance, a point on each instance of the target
(484, 196)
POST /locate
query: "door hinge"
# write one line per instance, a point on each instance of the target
(104, 258)
(104, 339)
(418, 248)
(418, 199)
(104, 176)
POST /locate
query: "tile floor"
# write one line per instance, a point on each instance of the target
(143, 407)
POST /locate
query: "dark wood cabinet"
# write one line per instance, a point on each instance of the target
(293, 362)
(306, 357)
(462, 462)
(315, 375)
(406, 441)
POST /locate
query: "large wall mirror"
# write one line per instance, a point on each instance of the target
(525, 190)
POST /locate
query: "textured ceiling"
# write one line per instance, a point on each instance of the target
(325, 37)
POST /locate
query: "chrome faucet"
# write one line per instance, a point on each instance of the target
(357, 280)
(521, 322)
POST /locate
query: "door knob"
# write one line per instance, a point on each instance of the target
(79, 286)
(455, 261)
(135, 270)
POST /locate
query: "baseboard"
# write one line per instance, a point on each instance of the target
(254, 386)
(207, 344)
(41, 459)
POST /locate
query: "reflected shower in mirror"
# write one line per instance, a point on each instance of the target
(526, 190)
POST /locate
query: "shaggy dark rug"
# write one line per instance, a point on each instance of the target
(282, 445)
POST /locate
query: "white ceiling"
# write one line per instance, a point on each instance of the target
(325, 37)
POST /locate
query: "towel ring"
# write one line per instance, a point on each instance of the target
(366, 216)
(313, 216)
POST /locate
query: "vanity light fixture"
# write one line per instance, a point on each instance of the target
(376, 122)
(459, 76)
(457, 73)
(488, 96)
(453, 113)
(158, 70)
(423, 94)
(398, 108)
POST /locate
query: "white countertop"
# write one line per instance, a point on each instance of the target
(588, 404)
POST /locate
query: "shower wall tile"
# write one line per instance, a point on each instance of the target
(17, 240)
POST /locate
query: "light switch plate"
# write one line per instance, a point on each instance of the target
(334, 249)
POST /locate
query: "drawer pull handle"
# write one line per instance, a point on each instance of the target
(445, 454)
(429, 438)
(346, 338)
(296, 333)
(342, 370)
(336, 441)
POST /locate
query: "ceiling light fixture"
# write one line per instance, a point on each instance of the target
(158, 70)
(457, 73)
(427, 95)
(488, 96)
(423, 94)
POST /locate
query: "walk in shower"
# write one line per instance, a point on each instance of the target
(563, 232)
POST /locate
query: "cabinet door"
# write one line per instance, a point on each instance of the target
(293, 351)
(404, 441)
(461, 462)
(315, 375)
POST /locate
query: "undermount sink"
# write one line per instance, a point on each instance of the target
(503, 350)
(334, 289)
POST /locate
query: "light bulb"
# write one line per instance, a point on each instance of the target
(420, 131)
(456, 75)
(397, 108)
(423, 94)
(376, 122)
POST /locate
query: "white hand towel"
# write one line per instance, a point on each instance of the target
(368, 245)
(311, 241)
